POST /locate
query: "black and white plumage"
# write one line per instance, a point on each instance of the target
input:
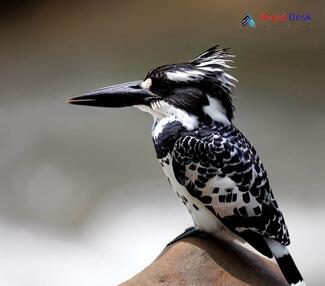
(210, 164)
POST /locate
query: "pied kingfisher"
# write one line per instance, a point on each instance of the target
(209, 163)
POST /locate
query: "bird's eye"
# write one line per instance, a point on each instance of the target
(161, 85)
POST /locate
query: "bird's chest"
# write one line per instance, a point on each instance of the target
(165, 133)
(167, 166)
(180, 190)
(202, 217)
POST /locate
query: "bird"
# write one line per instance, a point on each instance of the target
(211, 166)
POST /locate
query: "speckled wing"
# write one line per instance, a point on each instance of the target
(221, 168)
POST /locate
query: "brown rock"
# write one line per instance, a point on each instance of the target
(208, 262)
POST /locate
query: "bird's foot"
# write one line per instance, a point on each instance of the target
(189, 232)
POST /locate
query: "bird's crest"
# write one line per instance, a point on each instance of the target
(211, 65)
(214, 59)
(215, 62)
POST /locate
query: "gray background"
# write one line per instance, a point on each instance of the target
(82, 200)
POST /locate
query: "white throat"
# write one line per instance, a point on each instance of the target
(162, 110)
(164, 113)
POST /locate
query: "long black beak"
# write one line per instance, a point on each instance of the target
(119, 95)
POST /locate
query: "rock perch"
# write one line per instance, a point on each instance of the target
(208, 262)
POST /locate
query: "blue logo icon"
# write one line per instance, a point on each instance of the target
(248, 21)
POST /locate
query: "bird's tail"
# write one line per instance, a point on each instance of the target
(286, 263)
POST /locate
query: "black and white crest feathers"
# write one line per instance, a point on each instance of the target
(203, 77)
(216, 61)
(211, 65)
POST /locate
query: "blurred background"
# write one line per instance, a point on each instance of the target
(82, 200)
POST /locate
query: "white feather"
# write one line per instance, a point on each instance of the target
(149, 110)
(211, 69)
(184, 75)
(188, 120)
(216, 111)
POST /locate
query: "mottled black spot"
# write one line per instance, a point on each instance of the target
(222, 198)
(202, 170)
(257, 210)
(246, 197)
(206, 200)
(178, 194)
(226, 154)
(255, 191)
(228, 198)
(234, 197)
(184, 199)
(167, 161)
(202, 178)
(192, 167)
(209, 176)
(196, 207)
(228, 190)
(195, 160)
(193, 191)
(247, 178)
(198, 194)
(200, 184)
(205, 164)
(216, 190)
(186, 140)
(243, 211)
(237, 177)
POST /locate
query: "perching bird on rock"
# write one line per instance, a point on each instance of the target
(209, 163)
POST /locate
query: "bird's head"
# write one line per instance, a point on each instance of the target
(199, 89)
